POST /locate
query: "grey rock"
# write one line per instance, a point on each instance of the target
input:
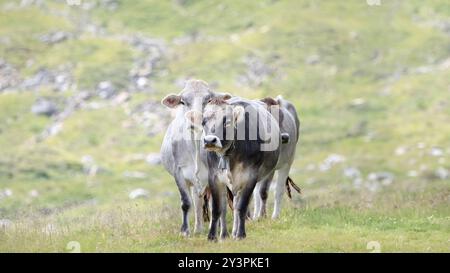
(9, 76)
(437, 152)
(138, 193)
(313, 59)
(137, 175)
(442, 173)
(54, 37)
(44, 107)
(257, 71)
(330, 161)
(106, 90)
(385, 178)
(352, 172)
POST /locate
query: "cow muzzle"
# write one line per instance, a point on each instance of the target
(211, 142)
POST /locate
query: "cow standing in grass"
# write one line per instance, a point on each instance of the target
(181, 152)
(289, 128)
(243, 143)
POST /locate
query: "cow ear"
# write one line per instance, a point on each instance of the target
(194, 117)
(171, 100)
(269, 101)
(238, 114)
(222, 96)
(226, 96)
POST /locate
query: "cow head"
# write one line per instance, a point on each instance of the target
(219, 124)
(194, 96)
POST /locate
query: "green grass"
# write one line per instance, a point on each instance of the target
(364, 52)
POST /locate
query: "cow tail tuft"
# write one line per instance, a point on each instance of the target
(290, 182)
(206, 198)
(230, 198)
(288, 189)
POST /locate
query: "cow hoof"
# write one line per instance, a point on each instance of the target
(224, 236)
(239, 236)
(212, 238)
(185, 233)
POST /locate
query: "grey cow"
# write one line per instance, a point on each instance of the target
(181, 152)
(289, 128)
(243, 143)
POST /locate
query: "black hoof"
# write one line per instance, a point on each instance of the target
(212, 238)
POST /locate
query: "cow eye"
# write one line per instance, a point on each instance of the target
(182, 102)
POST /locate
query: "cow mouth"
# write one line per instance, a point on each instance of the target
(212, 148)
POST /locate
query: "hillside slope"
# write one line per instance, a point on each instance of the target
(81, 123)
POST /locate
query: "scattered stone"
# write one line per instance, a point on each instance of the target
(138, 175)
(352, 172)
(109, 4)
(9, 76)
(33, 193)
(372, 186)
(44, 107)
(54, 37)
(413, 173)
(313, 59)
(135, 157)
(89, 165)
(385, 178)
(257, 71)
(142, 82)
(357, 183)
(436, 151)
(421, 145)
(150, 115)
(358, 102)
(400, 151)
(330, 161)
(153, 159)
(106, 90)
(138, 193)
(121, 98)
(442, 173)
(359, 129)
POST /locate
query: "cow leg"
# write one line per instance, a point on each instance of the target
(217, 194)
(257, 201)
(185, 204)
(283, 174)
(223, 218)
(236, 200)
(241, 208)
(263, 193)
(198, 210)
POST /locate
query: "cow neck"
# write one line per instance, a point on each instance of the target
(224, 161)
(197, 162)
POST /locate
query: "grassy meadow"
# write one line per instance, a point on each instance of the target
(371, 84)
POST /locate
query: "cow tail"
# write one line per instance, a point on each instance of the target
(206, 198)
(290, 182)
(230, 198)
(288, 189)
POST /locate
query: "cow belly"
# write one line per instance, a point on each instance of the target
(189, 174)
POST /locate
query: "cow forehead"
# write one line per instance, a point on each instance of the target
(216, 111)
(196, 89)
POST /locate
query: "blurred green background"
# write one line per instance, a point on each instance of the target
(81, 123)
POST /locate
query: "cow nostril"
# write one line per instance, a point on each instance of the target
(210, 140)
